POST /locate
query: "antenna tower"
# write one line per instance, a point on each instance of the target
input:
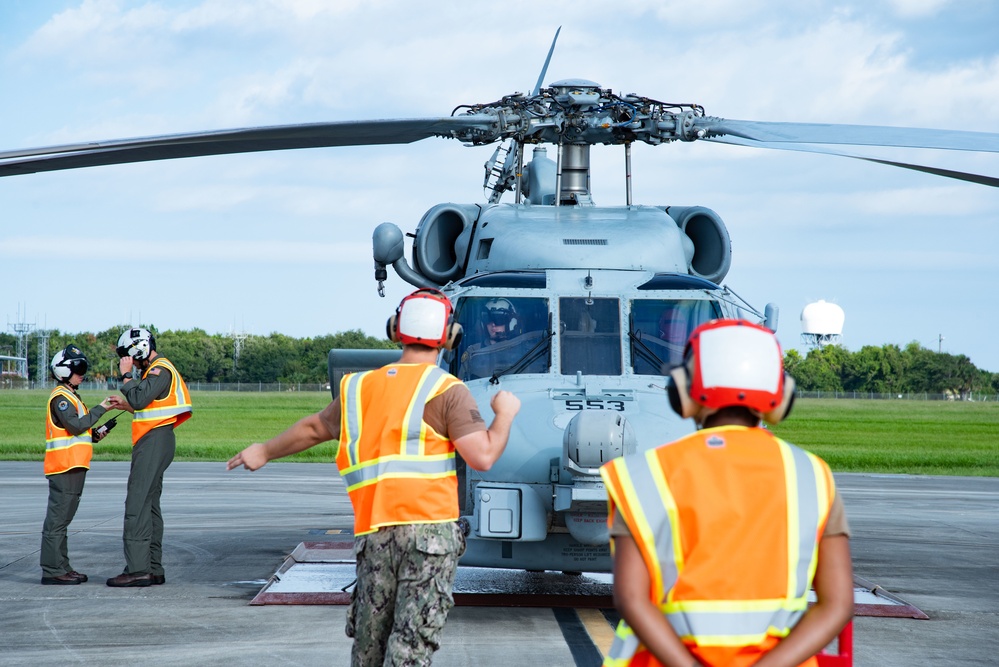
(237, 347)
(43, 356)
(22, 330)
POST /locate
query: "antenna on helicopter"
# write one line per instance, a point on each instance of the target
(544, 70)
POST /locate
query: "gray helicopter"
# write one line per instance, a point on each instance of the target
(579, 309)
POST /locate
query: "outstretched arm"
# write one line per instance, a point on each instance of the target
(631, 597)
(306, 432)
(832, 610)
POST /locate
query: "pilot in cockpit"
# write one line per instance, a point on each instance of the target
(499, 321)
(499, 342)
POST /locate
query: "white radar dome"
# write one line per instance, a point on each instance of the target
(822, 318)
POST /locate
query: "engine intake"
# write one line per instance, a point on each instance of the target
(442, 238)
(712, 246)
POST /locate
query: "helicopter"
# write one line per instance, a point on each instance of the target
(595, 302)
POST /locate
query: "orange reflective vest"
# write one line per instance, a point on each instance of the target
(398, 470)
(728, 521)
(64, 451)
(174, 409)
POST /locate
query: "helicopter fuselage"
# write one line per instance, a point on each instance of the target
(586, 354)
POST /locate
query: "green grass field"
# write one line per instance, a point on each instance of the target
(912, 437)
(223, 423)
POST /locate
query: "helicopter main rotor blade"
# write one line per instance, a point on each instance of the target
(247, 140)
(936, 171)
(856, 135)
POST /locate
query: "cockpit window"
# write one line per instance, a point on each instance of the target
(500, 334)
(662, 327)
(590, 336)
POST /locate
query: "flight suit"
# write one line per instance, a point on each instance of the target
(65, 488)
(152, 454)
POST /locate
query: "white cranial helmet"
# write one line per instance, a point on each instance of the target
(136, 343)
(68, 361)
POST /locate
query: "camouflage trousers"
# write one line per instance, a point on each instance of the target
(403, 593)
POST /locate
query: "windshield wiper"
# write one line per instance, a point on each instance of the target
(541, 347)
(644, 350)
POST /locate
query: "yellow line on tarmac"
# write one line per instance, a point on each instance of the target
(598, 628)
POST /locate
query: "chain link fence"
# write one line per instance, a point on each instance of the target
(19, 383)
(906, 396)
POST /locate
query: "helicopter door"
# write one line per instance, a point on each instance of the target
(590, 336)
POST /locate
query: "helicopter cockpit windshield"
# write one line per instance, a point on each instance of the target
(590, 335)
(660, 329)
(513, 335)
(502, 333)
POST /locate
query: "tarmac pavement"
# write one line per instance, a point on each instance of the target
(934, 541)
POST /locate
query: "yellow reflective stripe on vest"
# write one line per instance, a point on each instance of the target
(398, 466)
(350, 393)
(736, 622)
(68, 441)
(623, 648)
(414, 436)
(653, 514)
(806, 484)
(153, 414)
(411, 461)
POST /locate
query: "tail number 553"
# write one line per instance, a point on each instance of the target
(594, 404)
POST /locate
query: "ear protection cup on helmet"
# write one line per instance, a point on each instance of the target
(453, 336)
(783, 408)
(678, 391)
(392, 327)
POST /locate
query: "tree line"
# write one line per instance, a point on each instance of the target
(204, 357)
(274, 358)
(889, 370)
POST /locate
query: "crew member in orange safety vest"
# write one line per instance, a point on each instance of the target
(718, 536)
(400, 427)
(68, 448)
(157, 395)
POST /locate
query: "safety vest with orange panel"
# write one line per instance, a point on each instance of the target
(63, 450)
(174, 408)
(397, 468)
(728, 521)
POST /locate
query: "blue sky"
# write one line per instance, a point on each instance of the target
(281, 241)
